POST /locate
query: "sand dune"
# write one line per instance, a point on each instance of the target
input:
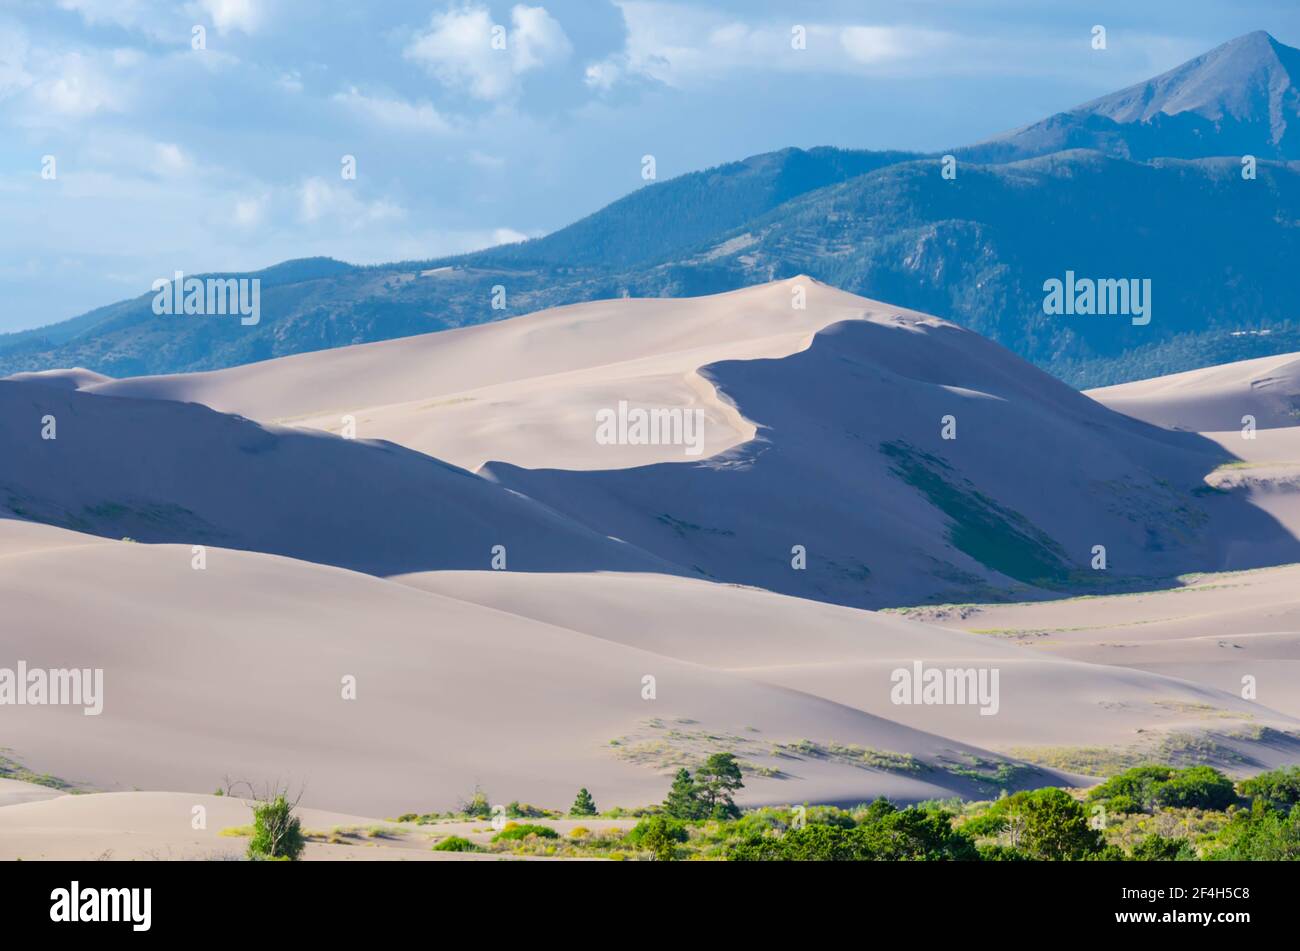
(850, 462)
(153, 470)
(822, 428)
(237, 670)
(848, 656)
(526, 390)
(77, 378)
(1214, 399)
(1214, 630)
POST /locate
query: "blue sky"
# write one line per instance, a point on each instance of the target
(228, 158)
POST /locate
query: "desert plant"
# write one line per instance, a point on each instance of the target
(277, 832)
(515, 831)
(659, 836)
(477, 805)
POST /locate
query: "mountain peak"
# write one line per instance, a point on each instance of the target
(1239, 98)
(1249, 79)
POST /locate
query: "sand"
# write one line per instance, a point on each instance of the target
(327, 558)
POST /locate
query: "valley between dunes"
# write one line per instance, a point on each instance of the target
(328, 557)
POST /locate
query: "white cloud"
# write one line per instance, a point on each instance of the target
(170, 159)
(537, 39)
(394, 112)
(319, 199)
(77, 87)
(886, 44)
(229, 15)
(124, 13)
(458, 49)
(250, 212)
(604, 74)
(508, 236)
(13, 62)
(678, 46)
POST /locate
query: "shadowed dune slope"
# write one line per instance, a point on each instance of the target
(160, 471)
(850, 462)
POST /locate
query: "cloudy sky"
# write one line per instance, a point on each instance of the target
(168, 157)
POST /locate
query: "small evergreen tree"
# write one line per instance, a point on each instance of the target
(583, 804)
(717, 780)
(683, 800)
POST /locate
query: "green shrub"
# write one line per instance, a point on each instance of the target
(884, 833)
(477, 805)
(1137, 785)
(1001, 853)
(1159, 848)
(1259, 834)
(1055, 825)
(1123, 804)
(455, 843)
(1198, 787)
(515, 831)
(1144, 788)
(523, 810)
(277, 833)
(1279, 788)
(660, 836)
(674, 828)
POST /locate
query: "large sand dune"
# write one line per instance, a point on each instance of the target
(154, 470)
(850, 463)
(823, 427)
(526, 390)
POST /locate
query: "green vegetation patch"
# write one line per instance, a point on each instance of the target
(982, 528)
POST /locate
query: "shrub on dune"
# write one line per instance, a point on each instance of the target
(514, 832)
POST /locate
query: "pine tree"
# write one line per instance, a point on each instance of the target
(583, 805)
(683, 800)
(716, 780)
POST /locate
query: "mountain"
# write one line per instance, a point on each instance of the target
(978, 249)
(668, 218)
(1238, 99)
(1110, 190)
